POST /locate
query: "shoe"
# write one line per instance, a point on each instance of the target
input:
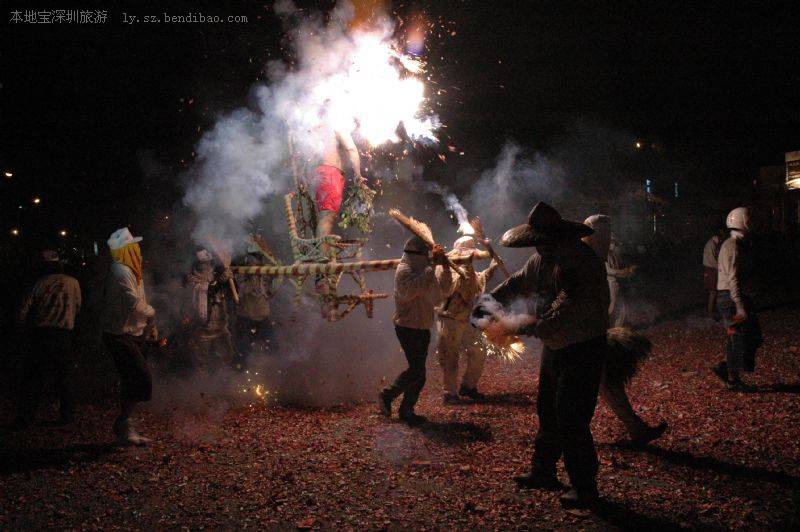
(21, 423)
(735, 384)
(413, 420)
(538, 480)
(721, 371)
(649, 435)
(452, 399)
(472, 393)
(385, 403)
(131, 437)
(65, 420)
(579, 499)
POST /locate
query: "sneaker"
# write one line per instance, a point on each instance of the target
(472, 393)
(735, 384)
(412, 419)
(452, 399)
(539, 480)
(721, 371)
(579, 499)
(649, 435)
(21, 423)
(131, 437)
(385, 403)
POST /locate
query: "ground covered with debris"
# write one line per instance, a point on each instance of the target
(728, 459)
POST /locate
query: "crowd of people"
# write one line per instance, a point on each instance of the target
(568, 295)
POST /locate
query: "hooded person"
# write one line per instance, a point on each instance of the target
(573, 331)
(48, 317)
(422, 280)
(454, 332)
(127, 321)
(616, 274)
(734, 300)
(254, 331)
(212, 340)
(612, 387)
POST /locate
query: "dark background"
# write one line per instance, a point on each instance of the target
(98, 120)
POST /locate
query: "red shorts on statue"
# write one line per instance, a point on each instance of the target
(330, 189)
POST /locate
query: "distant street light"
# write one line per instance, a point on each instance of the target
(637, 145)
(8, 174)
(63, 232)
(15, 232)
(37, 201)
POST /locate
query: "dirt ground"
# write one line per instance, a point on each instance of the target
(728, 459)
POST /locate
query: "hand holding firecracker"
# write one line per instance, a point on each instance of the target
(500, 327)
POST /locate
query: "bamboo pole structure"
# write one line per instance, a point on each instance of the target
(304, 269)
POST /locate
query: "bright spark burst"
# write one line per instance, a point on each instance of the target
(377, 89)
(510, 352)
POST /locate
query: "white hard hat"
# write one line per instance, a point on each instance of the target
(738, 218)
(121, 238)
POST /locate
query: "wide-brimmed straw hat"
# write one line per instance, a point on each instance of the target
(544, 223)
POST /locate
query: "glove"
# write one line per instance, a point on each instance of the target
(438, 255)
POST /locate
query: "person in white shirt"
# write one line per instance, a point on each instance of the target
(421, 282)
(127, 322)
(48, 316)
(710, 254)
(734, 272)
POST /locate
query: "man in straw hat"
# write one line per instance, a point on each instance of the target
(421, 281)
(455, 334)
(127, 322)
(573, 331)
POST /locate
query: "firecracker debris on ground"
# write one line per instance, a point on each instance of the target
(729, 459)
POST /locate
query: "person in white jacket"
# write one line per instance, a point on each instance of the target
(421, 282)
(127, 322)
(734, 303)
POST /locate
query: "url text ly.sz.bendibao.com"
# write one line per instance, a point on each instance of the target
(182, 18)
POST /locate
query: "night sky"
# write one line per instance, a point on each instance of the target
(99, 119)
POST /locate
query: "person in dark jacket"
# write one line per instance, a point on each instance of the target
(573, 331)
(48, 317)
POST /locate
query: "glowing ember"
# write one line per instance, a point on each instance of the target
(511, 352)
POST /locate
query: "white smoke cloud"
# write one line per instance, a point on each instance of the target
(340, 80)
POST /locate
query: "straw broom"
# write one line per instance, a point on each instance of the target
(480, 237)
(424, 232)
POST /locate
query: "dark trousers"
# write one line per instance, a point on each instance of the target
(411, 382)
(742, 338)
(49, 358)
(135, 377)
(569, 380)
